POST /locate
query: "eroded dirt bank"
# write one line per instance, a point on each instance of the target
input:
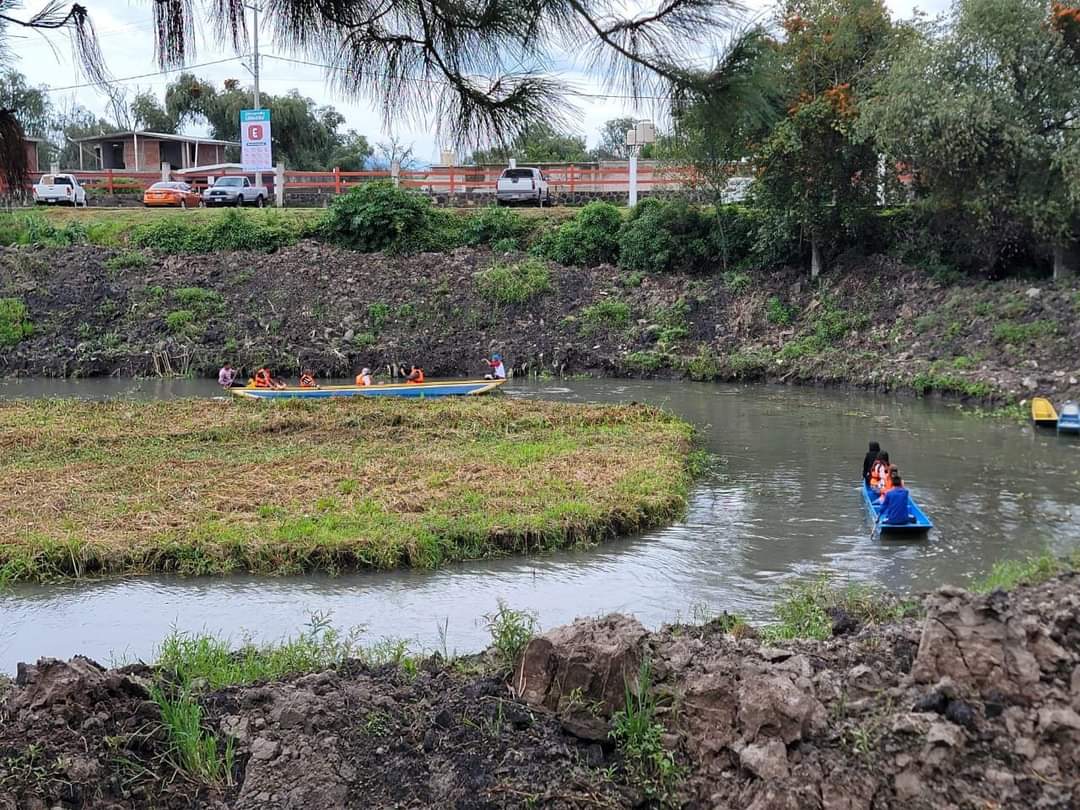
(870, 322)
(973, 706)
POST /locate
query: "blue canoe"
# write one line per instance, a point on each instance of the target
(448, 388)
(1069, 418)
(921, 524)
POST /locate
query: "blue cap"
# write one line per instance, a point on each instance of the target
(496, 357)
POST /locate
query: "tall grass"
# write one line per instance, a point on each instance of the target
(639, 737)
(1008, 574)
(193, 748)
(804, 610)
(511, 630)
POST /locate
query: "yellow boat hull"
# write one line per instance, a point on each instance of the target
(1043, 412)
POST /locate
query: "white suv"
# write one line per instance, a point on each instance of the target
(522, 185)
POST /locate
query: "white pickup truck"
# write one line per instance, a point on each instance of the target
(522, 185)
(63, 189)
(235, 191)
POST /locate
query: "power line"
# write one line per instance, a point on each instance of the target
(143, 75)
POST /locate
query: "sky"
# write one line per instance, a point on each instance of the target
(125, 31)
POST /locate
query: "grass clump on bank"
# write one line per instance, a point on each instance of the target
(196, 487)
(15, 323)
(1008, 574)
(515, 283)
(808, 609)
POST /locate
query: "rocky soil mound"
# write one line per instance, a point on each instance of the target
(872, 322)
(973, 706)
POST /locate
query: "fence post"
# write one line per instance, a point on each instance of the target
(337, 179)
(108, 181)
(570, 171)
(395, 173)
(166, 172)
(450, 194)
(279, 185)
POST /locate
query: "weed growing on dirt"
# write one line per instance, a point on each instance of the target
(233, 230)
(194, 749)
(514, 283)
(1020, 334)
(644, 362)
(640, 739)
(499, 227)
(128, 260)
(945, 383)
(806, 609)
(737, 283)
(511, 630)
(1008, 574)
(15, 325)
(608, 314)
(779, 313)
(704, 366)
(190, 658)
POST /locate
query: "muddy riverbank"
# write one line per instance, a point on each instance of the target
(970, 702)
(89, 311)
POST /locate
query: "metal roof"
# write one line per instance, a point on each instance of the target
(161, 136)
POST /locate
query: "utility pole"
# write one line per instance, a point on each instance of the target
(254, 69)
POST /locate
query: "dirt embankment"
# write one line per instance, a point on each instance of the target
(973, 706)
(872, 323)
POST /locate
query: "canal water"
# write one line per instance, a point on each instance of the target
(779, 501)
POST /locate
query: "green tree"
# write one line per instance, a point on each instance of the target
(612, 144)
(542, 143)
(352, 152)
(814, 174)
(149, 114)
(985, 110)
(30, 105)
(68, 127)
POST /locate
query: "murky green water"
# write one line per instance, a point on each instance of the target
(781, 502)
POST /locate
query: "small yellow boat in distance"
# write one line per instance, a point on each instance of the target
(1043, 413)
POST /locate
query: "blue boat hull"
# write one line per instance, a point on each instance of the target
(1068, 424)
(921, 525)
(451, 388)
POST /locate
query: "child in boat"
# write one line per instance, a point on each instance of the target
(879, 471)
(497, 371)
(896, 505)
(264, 379)
(869, 459)
(889, 484)
(364, 377)
(307, 379)
(415, 375)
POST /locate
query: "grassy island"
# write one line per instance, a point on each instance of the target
(212, 487)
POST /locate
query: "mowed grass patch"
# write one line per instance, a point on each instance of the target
(211, 487)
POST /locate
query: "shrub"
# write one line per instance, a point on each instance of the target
(14, 323)
(607, 314)
(201, 302)
(37, 231)
(736, 283)
(511, 630)
(494, 225)
(644, 362)
(666, 238)
(590, 238)
(777, 312)
(233, 230)
(129, 260)
(380, 216)
(122, 187)
(514, 283)
(1022, 333)
(179, 321)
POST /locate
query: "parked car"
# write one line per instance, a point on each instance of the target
(235, 191)
(171, 193)
(522, 185)
(736, 189)
(63, 189)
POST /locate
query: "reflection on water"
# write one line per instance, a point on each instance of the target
(780, 501)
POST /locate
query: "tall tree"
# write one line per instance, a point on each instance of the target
(542, 143)
(149, 114)
(985, 109)
(612, 144)
(814, 174)
(30, 105)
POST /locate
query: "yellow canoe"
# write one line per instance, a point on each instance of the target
(1043, 413)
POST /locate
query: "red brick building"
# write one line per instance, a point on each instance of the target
(32, 165)
(145, 151)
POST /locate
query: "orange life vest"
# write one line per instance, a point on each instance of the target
(262, 378)
(878, 474)
(360, 379)
(307, 381)
(419, 377)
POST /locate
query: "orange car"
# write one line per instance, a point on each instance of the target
(171, 193)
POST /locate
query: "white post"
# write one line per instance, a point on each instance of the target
(54, 168)
(166, 172)
(513, 163)
(633, 177)
(279, 185)
(135, 149)
(395, 172)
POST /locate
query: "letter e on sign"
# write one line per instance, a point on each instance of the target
(255, 132)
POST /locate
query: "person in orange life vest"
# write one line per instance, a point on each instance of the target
(879, 471)
(263, 379)
(891, 481)
(415, 375)
(364, 377)
(307, 379)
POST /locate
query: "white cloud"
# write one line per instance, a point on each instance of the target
(126, 34)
